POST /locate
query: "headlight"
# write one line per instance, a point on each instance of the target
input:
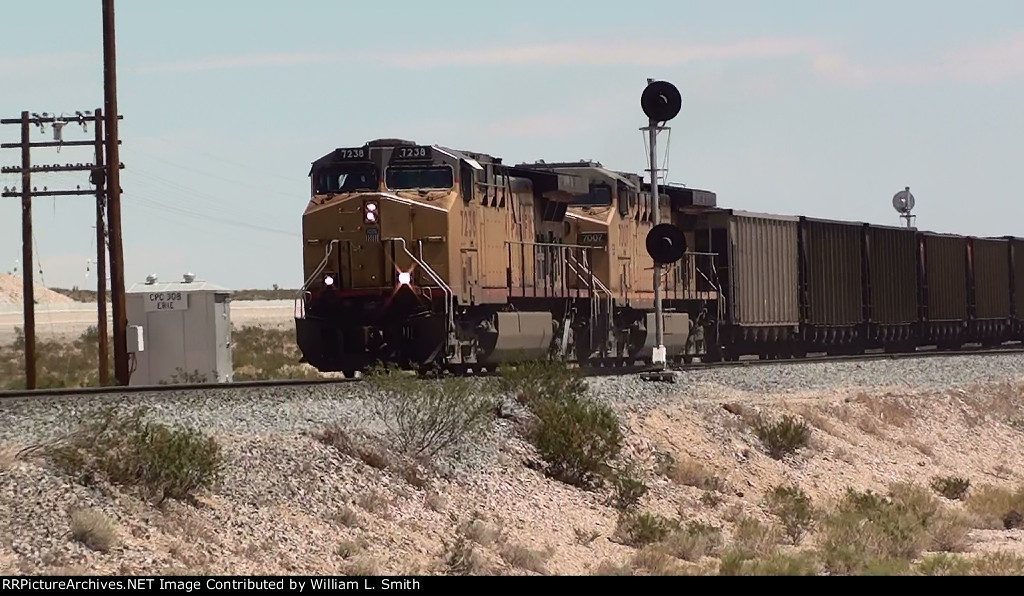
(328, 280)
(371, 213)
(404, 278)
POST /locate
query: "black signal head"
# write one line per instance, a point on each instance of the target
(666, 244)
(661, 101)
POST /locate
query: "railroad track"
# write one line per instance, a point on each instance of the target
(600, 371)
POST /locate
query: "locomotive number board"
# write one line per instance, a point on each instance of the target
(352, 154)
(417, 153)
(592, 239)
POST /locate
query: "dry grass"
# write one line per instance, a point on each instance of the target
(949, 532)
(480, 532)
(610, 568)
(362, 565)
(461, 557)
(585, 538)
(990, 505)
(373, 501)
(347, 517)
(522, 557)
(753, 538)
(93, 529)
(654, 560)
(435, 502)
(888, 410)
(8, 455)
(818, 420)
(349, 548)
(687, 471)
(694, 542)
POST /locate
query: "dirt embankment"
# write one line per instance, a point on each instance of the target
(700, 500)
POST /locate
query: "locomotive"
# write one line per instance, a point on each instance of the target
(424, 257)
(427, 257)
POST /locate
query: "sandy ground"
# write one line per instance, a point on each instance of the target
(11, 293)
(69, 320)
(320, 511)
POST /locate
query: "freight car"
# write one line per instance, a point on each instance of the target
(798, 285)
(426, 257)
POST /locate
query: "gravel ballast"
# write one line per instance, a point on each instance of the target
(290, 410)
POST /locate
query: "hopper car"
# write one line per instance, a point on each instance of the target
(427, 257)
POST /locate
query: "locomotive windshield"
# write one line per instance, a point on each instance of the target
(426, 177)
(347, 178)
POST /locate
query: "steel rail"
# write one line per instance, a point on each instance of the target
(588, 371)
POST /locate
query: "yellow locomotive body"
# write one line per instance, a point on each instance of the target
(427, 256)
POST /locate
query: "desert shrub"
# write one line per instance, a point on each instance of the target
(942, 564)
(93, 529)
(948, 532)
(688, 472)
(794, 509)
(994, 507)
(629, 489)
(791, 564)
(427, 419)
(265, 353)
(460, 557)
(998, 563)
(165, 462)
(953, 488)
(694, 541)
(578, 438)
(641, 529)
(867, 529)
(753, 538)
(609, 568)
(72, 363)
(783, 436)
(530, 381)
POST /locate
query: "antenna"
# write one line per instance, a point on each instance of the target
(903, 202)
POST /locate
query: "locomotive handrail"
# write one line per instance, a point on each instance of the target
(449, 293)
(319, 269)
(549, 244)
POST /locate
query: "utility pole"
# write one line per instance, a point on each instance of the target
(98, 179)
(27, 269)
(114, 197)
(27, 192)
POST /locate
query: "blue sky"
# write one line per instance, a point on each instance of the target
(812, 108)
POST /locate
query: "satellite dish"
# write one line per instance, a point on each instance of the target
(903, 201)
(666, 244)
(661, 101)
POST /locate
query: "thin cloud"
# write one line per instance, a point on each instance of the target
(988, 62)
(984, 63)
(47, 63)
(557, 124)
(605, 54)
(246, 61)
(567, 54)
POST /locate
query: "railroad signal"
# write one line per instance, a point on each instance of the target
(903, 202)
(661, 101)
(666, 244)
